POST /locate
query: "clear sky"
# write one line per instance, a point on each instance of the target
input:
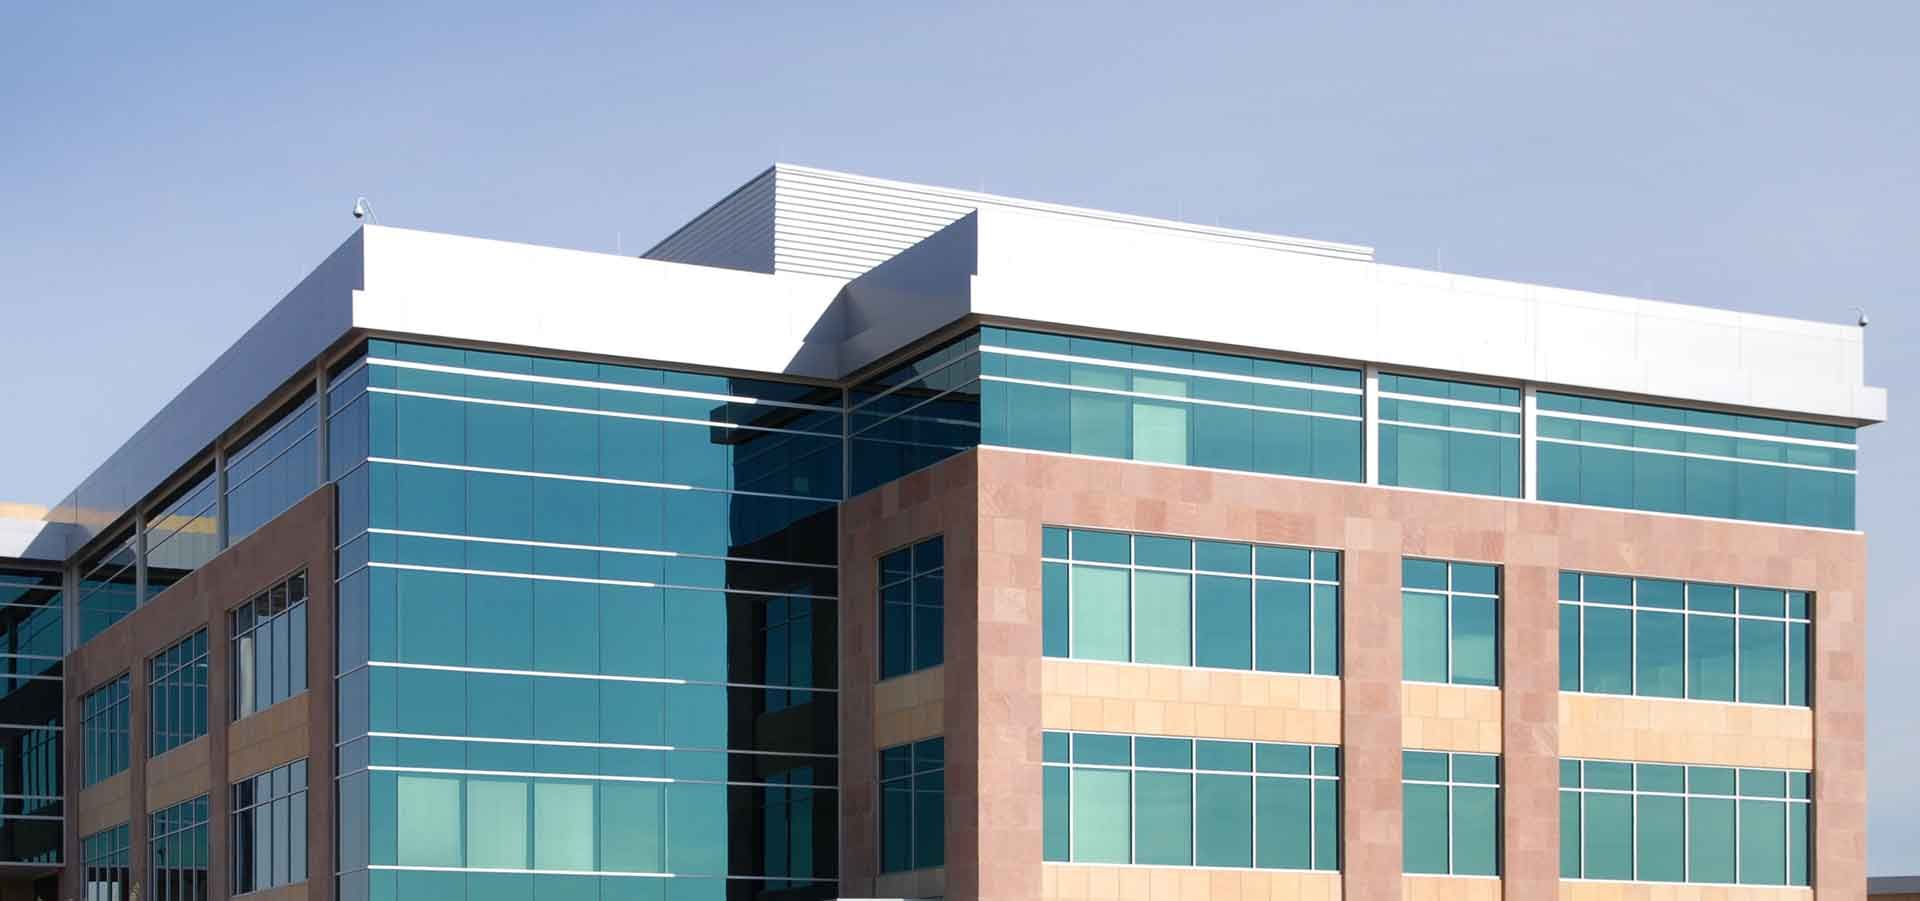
(167, 173)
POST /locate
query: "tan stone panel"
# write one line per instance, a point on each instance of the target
(1450, 717)
(179, 774)
(1449, 888)
(1654, 729)
(104, 804)
(1083, 882)
(274, 736)
(909, 707)
(927, 883)
(295, 892)
(1158, 700)
(1572, 890)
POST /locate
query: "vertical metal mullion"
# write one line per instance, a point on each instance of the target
(1529, 444)
(1686, 640)
(139, 556)
(222, 514)
(1633, 637)
(1449, 669)
(1370, 427)
(321, 411)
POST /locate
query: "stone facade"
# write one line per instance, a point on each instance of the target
(998, 694)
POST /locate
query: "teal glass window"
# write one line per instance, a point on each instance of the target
(1179, 602)
(268, 647)
(1668, 639)
(1449, 436)
(177, 851)
(1648, 822)
(177, 694)
(913, 608)
(273, 470)
(109, 584)
(106, 862)
(104, 717)
(267, 839)
(913, 806)
(915, 415)
(1451, 809)
(1139, 402)
(1676, 460)
(1140, 799)
(587, 629)
(1451, 622)
(184, 535)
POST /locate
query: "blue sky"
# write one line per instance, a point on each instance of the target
(168, 173)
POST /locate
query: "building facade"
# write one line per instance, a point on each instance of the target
(868, 539)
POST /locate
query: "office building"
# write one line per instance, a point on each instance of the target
(866, 539)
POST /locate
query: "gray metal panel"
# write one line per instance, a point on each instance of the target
(838, 225)
(736, 233)
(312, 316)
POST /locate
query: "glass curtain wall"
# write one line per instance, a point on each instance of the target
(183, 536)
(31, 714)
(1649, 457)
(1449, 436)
(1138, 402)
(562, 585)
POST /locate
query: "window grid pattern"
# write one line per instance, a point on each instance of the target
(587, 622)
(269, 647)
(183, 536)
(177, 694)
(268, 838)
(915, 414)
(104, 715)
(272, 471)
(1692, 640)
(108, 586)
(1451, 622)
(1138, 799)
(913, 806)
(1449, 436)
(177, 851)
(32, 688)
(1184, 602)
(1165, 405)
(913, 608)
(106, 862)
(1672, 823)
(1651, 457)
(1451, 809)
